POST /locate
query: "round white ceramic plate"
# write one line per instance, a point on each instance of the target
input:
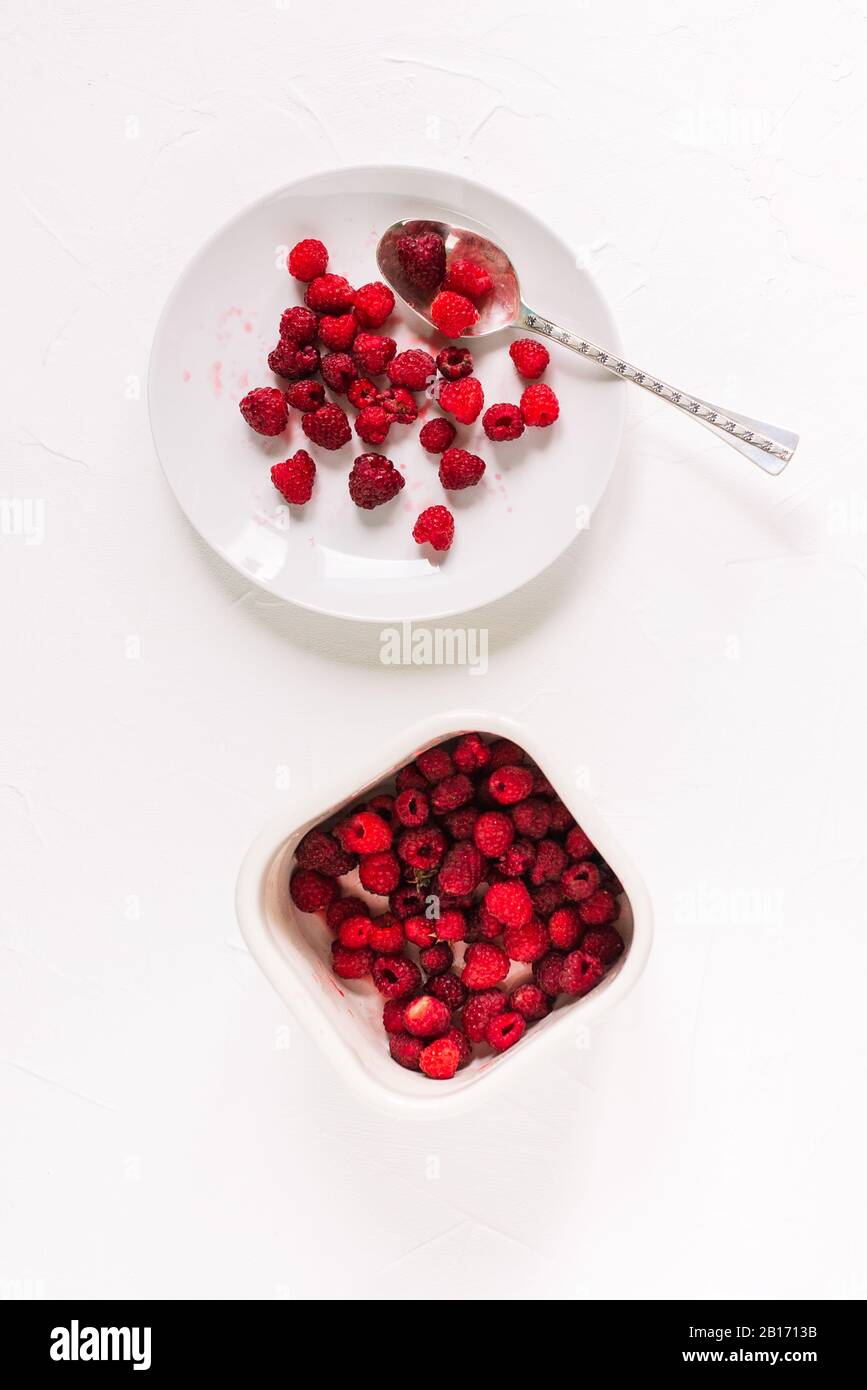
(211, 347)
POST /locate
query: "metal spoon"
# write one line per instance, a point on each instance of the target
(765, 445)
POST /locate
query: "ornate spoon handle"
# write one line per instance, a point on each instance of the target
(765, 445)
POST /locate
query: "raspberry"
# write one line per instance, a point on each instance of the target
(412, 807)
(509, 785)
(364, 833)
(399, 405)
(526, 943)
(380, 873)
(306, 395)
(373, 304)
(363, 392)
(373, 352)
(386, 935)
(462, 1043)
(293, 362)
(423, 259)
(349, 964)
(471, 754)
(372, 424)
(293, 478)
(440, 1059)
(407, 901)
(539, 405)
(462, 870)
(461, 823)
(608, 879)
(412, 776)
(435, 525)
(580, 973)
(577, 844)
(532, 818)
(605, 943)
(561, 817)
(547, 972)
(530, 1002)
(452, 793)
(580, 880)
(453, 313)
(337, 331)
(320, 851)
(307, 259)
(328, 427)
(451, 925)
(485, 965)
(299, 325)
(265, 410)
(406, 1050)
(329, 294)
(502, 422)
(449, 989)
(510, 903)
(505, 1029)
(550, 860)
(480, 1009)
(458, 469)
(310, 890)
(541, 785)
(354, 932)
(396, 977)
(338, 371)
(493, 833)
(505, 753)
(381, 805)
(436, 435)
(339, 909)
(530, 358)
(422, 848)
(469, 278)
(392, 1016)
(518, 859)
(547, 897)
(463, 399)
(435, 764)
(601, 907)
(426, 1017)
(412, 369)
(454, 362)
(436, 959)
(564, 928)
(373, 480)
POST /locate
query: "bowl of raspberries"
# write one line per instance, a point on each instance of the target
(449, 917)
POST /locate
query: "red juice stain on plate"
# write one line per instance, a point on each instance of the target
(185, 375)
(216, 374)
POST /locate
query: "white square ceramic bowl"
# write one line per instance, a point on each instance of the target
(345, 1016)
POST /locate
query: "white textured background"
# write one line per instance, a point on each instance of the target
(702, 651)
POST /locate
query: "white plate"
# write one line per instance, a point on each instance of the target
(211, 346)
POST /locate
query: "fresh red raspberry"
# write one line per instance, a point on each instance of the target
(527, 943)
(437, 958)
(608, 879)
(423, 259)
(354, 933)
(562, 818)
(307, 259)
(265, 410)
(505, 753)
(518, 859)
(436, 526)
(509, 785)
(530, 358)
(485, 965)
(337, 331)
(549, 863)
(493, 833)
(577, 844)
(454, 362)
(532, 818)
(407, 901)
(452, 793)
(412, 369)
(311, 891)
(299, 325)
(580, 973)
(392, 1015)
(373, 304)
(349, 964)
(329, 294)
(580, 880)
(306, 395)
(482, 926)
(372, 424)
(422, 848)
(601, 907)
(426, 1017)
(548, 896)
(382, 804)
(386, 935)
(436, 435)
(502, 422)
(320, 851)
(412, 808)
(462, 1043)
(380, 873)
(449, 989)
(469, 278)
(459, 469)
(396, 977)
(539, 405)
(531, 1002)
(510, 903)
(373, 480)
(480, 1009)
(406, 1050)
(453, 313)
(462, 869)
(505, 1029)
(435, 764)
(399, 405)
(460, 824)
(541, 785)
(328, 427)
(472, 754)
(364, 833)
(451, 925)
(547, 972)
(440, 1059)
(412, 776)
(605, 943)
(339, 909)
(338, 371)
(293, 362)
(363, 392)
(463, 399)
(565, 927)
(293, 478)
(373, 352)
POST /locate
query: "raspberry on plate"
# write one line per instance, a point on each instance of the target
(348, 964)
(373, 304)
(337, 331)
(307, 259)
(580, 880)
(329, 294)
(412, 369)
(580, 973)
(386, 935)
(459, 469)
(505, 1029)
(530, 358)
(328, 427)
(485, 965)
(399, 405)
(502, 422)
(453, 313)
(380, 873)
(548, 972)
(299, 325)
(599, 908)
(306, 395)
(565, 927)
(472, 754)
(338, 371)
(480, 1008)
(436, 959)
(454, 362)
(311, 891)
(265, 410)
(605, 943)
(320, 850)
(468, 278)
(510, 903)
(422, 847)
(440, 1059)
(293, 478)
(527, 943)
(406, 1050)
(396, 977)
(372, 424)
(293, 362)
(531, 1002)
(412, 808)
(461, 870)
(509, 785)
(365, 832)
(463, 399)
(423, 259)
(373, 352)
(363, 392)
(436, 526)
(426, 1017)
(354, 932)
(434, 764)
(493, 832)
(449, 989)
(373, 480)
(539, 405)
(436, 435)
